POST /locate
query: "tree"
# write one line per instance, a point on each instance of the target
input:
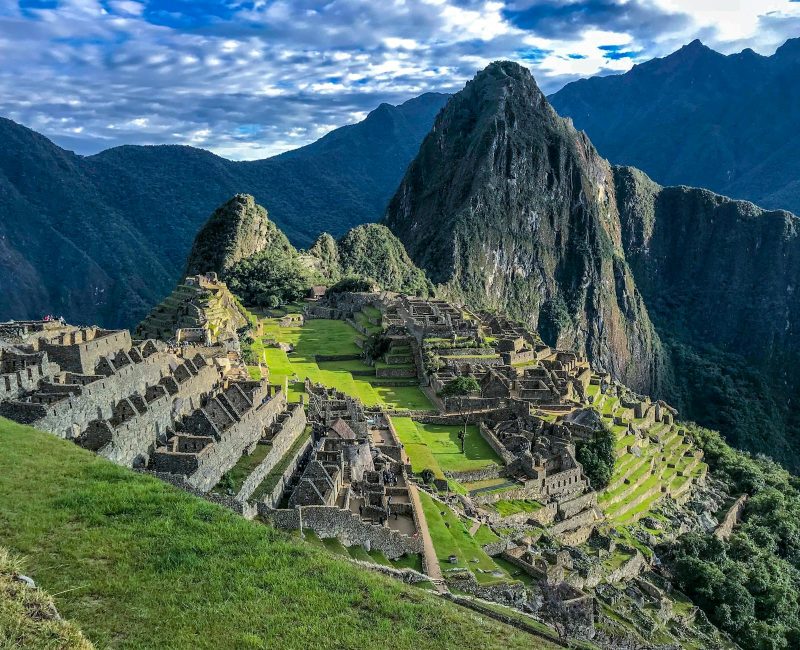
(460, 386)
(268, 279)
(597, 456)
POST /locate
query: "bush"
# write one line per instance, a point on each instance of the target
(597, 457)
(462, 385)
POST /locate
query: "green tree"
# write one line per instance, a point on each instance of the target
(462, 385)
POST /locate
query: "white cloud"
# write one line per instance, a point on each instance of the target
(275, 75)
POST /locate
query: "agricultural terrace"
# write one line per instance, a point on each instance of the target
(452, 539)
(437, 447)
(664, 463)
(104, 541)
(327, 338)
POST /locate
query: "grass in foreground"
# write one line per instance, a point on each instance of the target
(28, 618)
(137, 563)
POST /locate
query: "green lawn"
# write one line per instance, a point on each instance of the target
(514, 506)
(137, 563)
(329, 337)
(437, 447)
(450, 537)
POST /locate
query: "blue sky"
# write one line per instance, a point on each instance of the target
(248, 79)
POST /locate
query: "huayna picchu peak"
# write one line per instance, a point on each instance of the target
(509, 207)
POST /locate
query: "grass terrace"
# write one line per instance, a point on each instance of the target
(137, 563)
(515, 506)
(451, 537)
(331, 337)
(437, 447)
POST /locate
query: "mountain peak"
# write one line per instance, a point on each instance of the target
(239, 228)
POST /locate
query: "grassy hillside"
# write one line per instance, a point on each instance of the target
(137, 563)
(28, 618)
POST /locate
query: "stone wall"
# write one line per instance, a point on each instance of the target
(482, 474)
(396, 372)
(134, 439)
(226, 452)
(732, 517)
(345, 526)
(290, 430)
(488, 435)
(83, 356)
(272, 499)
(72, 415)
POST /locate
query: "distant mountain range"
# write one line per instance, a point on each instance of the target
(700, 118)
(103, 238)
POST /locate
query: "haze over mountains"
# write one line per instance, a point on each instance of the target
(103, 238)
(700, 118)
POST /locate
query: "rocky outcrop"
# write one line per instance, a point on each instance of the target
(236, 230)
(509, 207)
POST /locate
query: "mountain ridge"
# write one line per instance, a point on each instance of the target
(108, 238)
(688, 118)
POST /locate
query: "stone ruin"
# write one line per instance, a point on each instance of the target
(183, 410)
(354, 485)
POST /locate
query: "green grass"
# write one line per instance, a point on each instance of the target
(329, 337)
(454, 539)
(271, 479)
(437, 447)
(245, 466)
(27, 618)
(137, 563)
(485, 535)
(514, 506)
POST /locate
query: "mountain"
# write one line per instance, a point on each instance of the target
(103, 238)
(255, 258)
(509, 207)
(720, 278)
(679, 292)
(698, 117)
(370, 251)
(236, 230)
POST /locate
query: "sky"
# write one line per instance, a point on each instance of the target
(250, 79)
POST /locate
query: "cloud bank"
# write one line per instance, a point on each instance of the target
(249, 79)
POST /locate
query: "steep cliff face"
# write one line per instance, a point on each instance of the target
(699, 254)
(509, 207)
(236, 230)
(720, 278)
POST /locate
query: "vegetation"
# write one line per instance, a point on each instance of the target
(597, 457)
(329, 337)
(451, 538)
(28, 617)
(461, 385)
(268, 280)
(138, 563)
(748, 585)
(438, 447)
(352, 284)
